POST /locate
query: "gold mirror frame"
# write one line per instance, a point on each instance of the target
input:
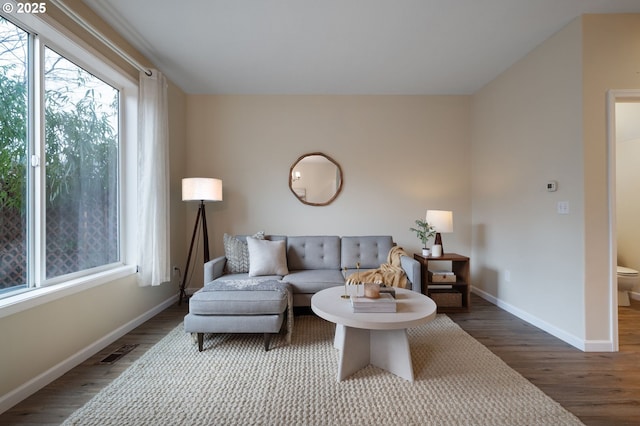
(301, 192)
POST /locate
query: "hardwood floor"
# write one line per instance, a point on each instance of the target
(599, 388)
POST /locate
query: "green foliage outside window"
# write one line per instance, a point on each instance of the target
(71, 137)
(13, 134)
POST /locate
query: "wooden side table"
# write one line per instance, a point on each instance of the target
(460, 289)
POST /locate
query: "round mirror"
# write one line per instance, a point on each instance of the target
(315, 179)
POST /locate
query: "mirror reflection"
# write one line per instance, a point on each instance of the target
(315, 179)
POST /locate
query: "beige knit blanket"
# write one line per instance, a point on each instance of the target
(390, 273)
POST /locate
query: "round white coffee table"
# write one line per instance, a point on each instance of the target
(378, 339)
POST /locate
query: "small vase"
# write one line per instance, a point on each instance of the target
(372, 290)
(425, 252)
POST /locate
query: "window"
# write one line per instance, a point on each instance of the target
(61, 164)
(81, 163)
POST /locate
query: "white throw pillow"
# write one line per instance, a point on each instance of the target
(267, 257)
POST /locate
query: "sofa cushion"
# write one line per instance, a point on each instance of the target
(313, 252)
(313, 280)
(233, 323)
(267, 257)
(258, 302)
(370, 251)
(237, 253)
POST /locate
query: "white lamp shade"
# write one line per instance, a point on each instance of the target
(201, 189)
(441, 220)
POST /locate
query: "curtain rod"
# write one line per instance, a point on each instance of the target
(97, 34)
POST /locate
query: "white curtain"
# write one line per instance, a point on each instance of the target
(153, 181)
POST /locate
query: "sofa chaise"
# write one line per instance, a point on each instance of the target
(288, 270)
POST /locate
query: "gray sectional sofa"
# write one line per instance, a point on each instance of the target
(254, 292)
(318, 262)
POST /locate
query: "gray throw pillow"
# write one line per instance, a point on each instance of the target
(267, 257)
(237, 253)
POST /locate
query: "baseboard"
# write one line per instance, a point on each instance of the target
(32, 386)
(583, 345)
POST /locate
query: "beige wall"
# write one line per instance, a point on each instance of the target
(527, 131)
(399, 154)
(545, 118)
(611, 60)
(39, 339)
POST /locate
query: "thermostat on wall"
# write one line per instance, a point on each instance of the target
(552, 186)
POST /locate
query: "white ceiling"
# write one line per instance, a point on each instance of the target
(341, 46)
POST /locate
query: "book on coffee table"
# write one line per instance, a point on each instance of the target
(390, 290)
(385, 303)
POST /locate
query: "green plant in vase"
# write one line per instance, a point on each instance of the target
(424, 232)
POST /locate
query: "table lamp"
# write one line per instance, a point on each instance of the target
(442, 221)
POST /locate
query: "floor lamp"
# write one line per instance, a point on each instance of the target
(201, 190)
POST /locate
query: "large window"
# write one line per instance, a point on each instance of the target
(60, 164)
(81, 163)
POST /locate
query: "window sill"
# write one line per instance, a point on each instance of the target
(39, 296)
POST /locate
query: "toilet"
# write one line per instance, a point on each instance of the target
(627, 280)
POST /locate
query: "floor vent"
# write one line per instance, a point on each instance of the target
(117, 354)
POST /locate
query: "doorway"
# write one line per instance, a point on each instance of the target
(623, 141)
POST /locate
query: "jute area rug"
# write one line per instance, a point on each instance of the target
(233, 381)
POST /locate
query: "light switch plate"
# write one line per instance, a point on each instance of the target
(563, 207)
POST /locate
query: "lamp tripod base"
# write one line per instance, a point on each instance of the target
(205, 237)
